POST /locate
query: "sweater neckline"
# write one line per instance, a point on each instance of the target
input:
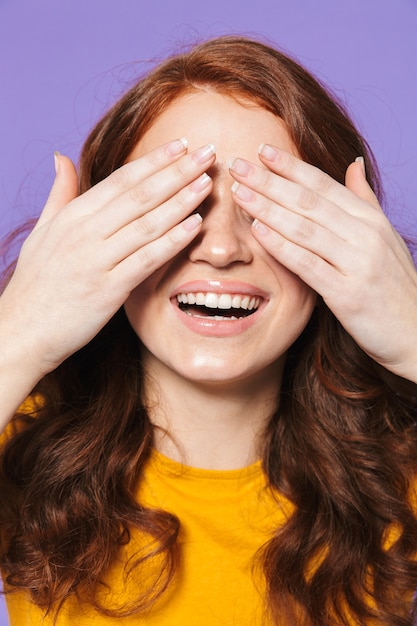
(176, 468)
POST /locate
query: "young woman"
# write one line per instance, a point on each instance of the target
(216, 328)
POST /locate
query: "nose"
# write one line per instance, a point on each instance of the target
(225, 235)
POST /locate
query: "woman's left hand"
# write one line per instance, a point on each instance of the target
(337, 239)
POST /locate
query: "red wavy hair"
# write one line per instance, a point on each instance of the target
(342, 448)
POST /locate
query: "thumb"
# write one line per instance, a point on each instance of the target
(64, 188)
(355, 180)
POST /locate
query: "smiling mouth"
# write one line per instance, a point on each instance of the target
(219, 307)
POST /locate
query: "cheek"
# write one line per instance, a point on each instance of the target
(304, 303)
(291, 288)
(298, 302)
(137, 310)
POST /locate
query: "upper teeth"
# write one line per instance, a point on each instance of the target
(220, 301)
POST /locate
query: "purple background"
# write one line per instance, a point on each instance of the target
(62, 63)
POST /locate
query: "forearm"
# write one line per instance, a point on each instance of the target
(19, 372)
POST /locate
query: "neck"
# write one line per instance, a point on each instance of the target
(210, 425)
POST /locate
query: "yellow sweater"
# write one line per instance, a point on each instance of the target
(226, 516)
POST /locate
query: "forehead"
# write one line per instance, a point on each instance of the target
(206, 116)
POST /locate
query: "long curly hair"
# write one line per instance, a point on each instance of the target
(342, 448)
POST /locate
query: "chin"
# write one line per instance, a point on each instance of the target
(217, 370)
(212, 372)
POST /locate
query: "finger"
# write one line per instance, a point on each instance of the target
(355, 181)
(130, 174)
(302, 215)
(312, 179)
(314, 270)
(64, 189)
(342, 212)
(157, 222)
(345, 242)
(330, 235)
(290, 195)
(144, 261)
(152, 192)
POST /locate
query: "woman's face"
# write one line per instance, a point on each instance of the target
(224, 266)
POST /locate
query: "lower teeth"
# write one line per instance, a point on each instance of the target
(217, 318)
(203, 312)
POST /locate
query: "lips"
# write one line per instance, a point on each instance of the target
(215, 307)
(218, 305)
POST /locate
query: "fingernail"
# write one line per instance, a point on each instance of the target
(192, 222)
(200, 183)
(268, 152)
(56, 161)
(241, 167)
(361, 160)
(259, 227)
(242, 192)
(204, 154)
(176, 147)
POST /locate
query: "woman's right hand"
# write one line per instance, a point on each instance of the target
(88, 252)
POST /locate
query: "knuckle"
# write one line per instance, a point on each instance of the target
(156, 158)
(174, 237)
(141, 194)
(304, 230)
(306, 260)
(265, 181)
(308, 199)
(180, 169)
(267, 212)
(146, 260)
(183, 199)
(120, 178)
(324, 182)
(145, 225)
